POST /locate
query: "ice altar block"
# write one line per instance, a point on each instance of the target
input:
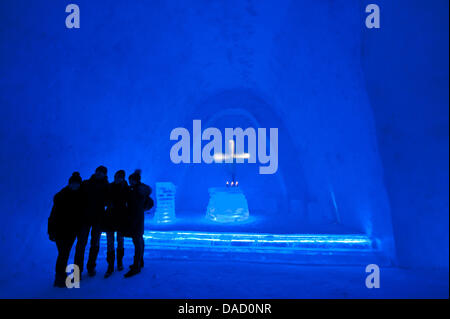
(227, 205)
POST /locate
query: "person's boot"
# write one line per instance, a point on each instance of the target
(120, 253)
(110, 256)
(60, 281)
(93, 253)
(134, 270)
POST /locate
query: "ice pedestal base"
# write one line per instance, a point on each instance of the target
(227, 205)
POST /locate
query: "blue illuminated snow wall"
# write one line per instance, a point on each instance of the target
(111, 92)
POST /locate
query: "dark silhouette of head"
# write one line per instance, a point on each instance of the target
(135, 178)
(119, 177)
(101, 172)
(75, 181)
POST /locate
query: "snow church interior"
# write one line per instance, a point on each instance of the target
(329, 139)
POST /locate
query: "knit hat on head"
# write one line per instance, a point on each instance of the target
(75, 178)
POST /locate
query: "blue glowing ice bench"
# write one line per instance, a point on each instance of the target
(348, 249)
(227, 205)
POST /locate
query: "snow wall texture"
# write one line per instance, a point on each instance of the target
(110, 93)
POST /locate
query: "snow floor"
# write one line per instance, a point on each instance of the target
(207, 279)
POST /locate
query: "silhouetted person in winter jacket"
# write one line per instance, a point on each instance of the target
(95, 196)
(138, 202)
(116, 215)
(64, 224)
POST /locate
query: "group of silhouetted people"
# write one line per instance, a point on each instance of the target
(94, 206)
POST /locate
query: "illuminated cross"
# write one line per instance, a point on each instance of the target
(229, 158)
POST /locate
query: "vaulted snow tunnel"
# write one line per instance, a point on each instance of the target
(112, 91)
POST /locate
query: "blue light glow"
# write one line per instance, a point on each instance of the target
(165, 203)
(282, 242)
(292, 248)
(361, 153)
(227, 205)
